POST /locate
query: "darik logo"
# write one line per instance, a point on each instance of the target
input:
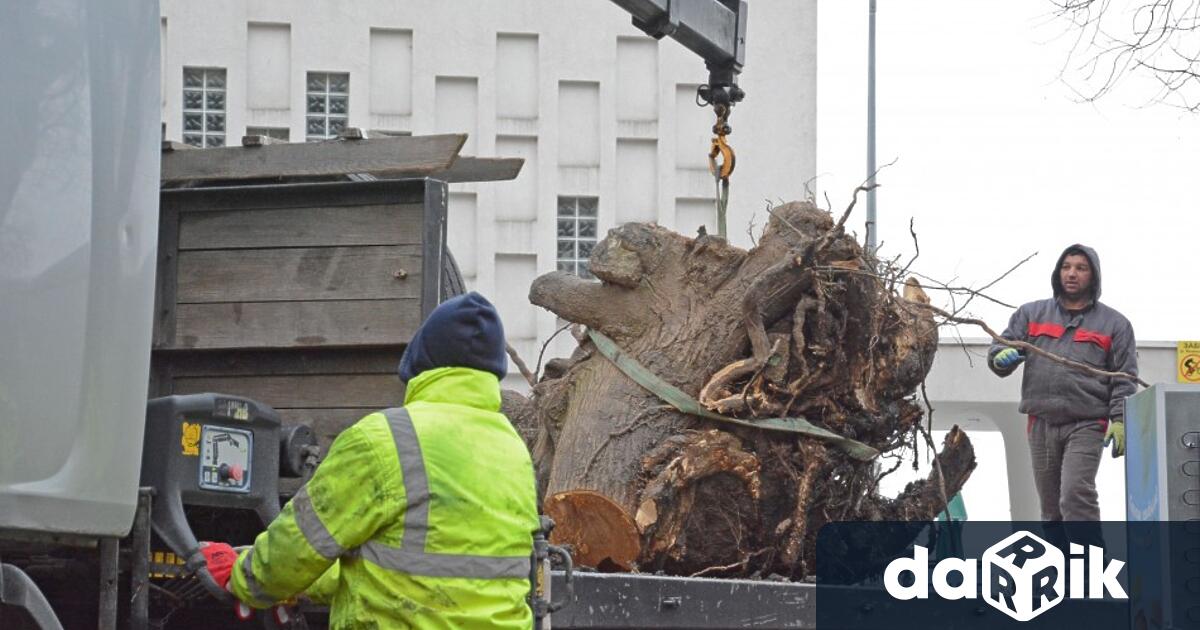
(1023, 576)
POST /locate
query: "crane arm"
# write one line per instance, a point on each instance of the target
(713, 29)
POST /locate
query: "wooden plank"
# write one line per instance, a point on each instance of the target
(415, 155)
(476, 169)
(317, 273)
(302, 227)
(280, 362)
(327, 194)
(296, 324)
(331, 391)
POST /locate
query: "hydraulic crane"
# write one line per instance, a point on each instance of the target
(715, 30)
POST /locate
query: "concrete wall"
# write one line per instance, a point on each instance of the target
(595, 108)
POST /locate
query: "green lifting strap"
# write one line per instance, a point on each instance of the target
(679, 400)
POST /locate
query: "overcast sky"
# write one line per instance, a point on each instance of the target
(997, 159)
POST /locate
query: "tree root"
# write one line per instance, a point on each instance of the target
(814, 461)
(804, 324)
(668, 498)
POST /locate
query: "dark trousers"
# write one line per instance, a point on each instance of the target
(1066, 456)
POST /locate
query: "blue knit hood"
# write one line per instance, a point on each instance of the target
(464, 331)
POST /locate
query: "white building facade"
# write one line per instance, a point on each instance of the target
(604, 116)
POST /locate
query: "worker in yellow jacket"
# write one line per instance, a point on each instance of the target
(420, 516)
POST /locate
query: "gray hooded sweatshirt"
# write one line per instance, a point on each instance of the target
(1098, 336)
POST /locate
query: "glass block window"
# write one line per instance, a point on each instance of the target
(327, 104)
(278, 133)
(204, 107)
(576, 234)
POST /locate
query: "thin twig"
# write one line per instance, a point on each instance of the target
(547, 344)
(771, 211)
(853, 201)
(885, 473)
(730, 567)
(937, 465)
(866, 186)
(916, 245)
(516, 358)
(936, 286)
(928, 406)
(1002, 276)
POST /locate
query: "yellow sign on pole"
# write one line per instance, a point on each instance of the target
(1187, 362)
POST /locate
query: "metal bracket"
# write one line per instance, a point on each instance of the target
(540, 595)
(665, 24)
(713, 29)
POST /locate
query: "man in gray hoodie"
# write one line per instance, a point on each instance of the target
(1072, 414)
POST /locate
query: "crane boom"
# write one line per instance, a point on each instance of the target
(713, 29)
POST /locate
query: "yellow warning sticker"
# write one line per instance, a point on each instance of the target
(190, 439)
(164, 564)
(1187, 361)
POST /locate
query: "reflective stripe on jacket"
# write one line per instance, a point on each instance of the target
(418, 517)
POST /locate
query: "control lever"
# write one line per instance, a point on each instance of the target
(181, 430)
(198, 567)
(288, 617)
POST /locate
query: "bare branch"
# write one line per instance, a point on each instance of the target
(1112, 40)
(978, 292)
(916, 246)
(929, 284)
(1021, 345)
(546, 344)
(516, 358)
(863, 187)
(937, 464)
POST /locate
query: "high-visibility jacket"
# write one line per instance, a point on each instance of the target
(421, 517)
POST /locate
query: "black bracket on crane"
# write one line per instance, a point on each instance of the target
(713, 29)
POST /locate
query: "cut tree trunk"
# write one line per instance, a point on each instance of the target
(798, 326)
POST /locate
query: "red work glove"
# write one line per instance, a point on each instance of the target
(219, 558)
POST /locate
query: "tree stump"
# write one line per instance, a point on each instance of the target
(801, 325)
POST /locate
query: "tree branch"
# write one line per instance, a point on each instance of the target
(516, 358)
(1157, 40)
(1030, 347)
(585, 302)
